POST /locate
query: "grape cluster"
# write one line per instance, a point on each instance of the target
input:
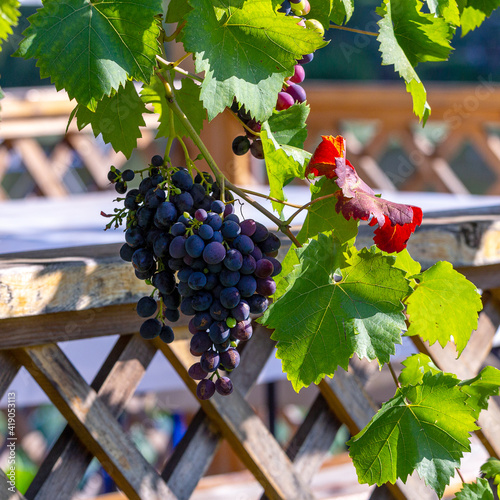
(201, 260)
(291, 92)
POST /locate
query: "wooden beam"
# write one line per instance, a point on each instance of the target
(93, 423)
(9, 366)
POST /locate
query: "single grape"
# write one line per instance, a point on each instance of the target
(166, 334)
(184, 202)
(145, 185)
(218, 332)
(258, 303)
(187, 306)
(198, 194)
(217, 206)
(210, 361)
(284, 101)
(113, 175)
(157, 161)
(200, 215)
(184, 274)
(230, 229)
(182, 180)
(297, 92)
(230, 359)
(205, 389)
(161, 244)
(146, 307)
(128, 175)
(196, 372)
(175, 264)
(172, 315)
(260, 234)
(172, 300)
(224, 386)
(194, 246)
(247, 227)
(185, 290)
(202, 320)
(231, 322)
(233, 260)
(121, 187)
(257, 149)
(142, 259)
(130, 203)
(247, 286)
(229, 278)
(218, 312)
(214, 221)
(230, 297)
(205, 232)
(229, 208)
(176, 248)
(212, 281)
(200, 342)
(197, 280)
(213, 253)
(126, 252)
(306, 59)
(145, 217)
(150, 329)
(266, 286)
(241, 312)
(271, 244)
(276, 266)
(154, 197)
(201, 301)
(164, 281)
(244, 244)
(248, 266)
(178, 229)
(264, 268)
(242, 331)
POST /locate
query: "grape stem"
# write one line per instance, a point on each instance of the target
(244, 125)
(171, 37)
(270, 198)
(307, 206)
(219, 176)
(170, 65)
(393, 373)
(459, 472)
(353, 30)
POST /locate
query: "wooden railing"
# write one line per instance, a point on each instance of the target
(462, 114)
(41, 306)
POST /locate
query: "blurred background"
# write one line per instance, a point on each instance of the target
(53, 186)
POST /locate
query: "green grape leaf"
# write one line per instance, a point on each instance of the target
(482, 387)
(405, 262)
(246, 51)
(474, 12)
(443, 307)
(289, 126)
(188, 97)
(447, 9)
(491, 469)
(90, 48)
(9, 15)
(479, 490)
(342, 11)
(339, 303)
(423, 428)
(407, 37)
(321, 217)
(283, 164)
(177, 10)
(415, 367)
(117, 118)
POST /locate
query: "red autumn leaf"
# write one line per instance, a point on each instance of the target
(396, 221)
(322, 161)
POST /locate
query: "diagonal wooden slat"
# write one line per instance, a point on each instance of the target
(115, 384)
(193, 455)
(93, 423)
(9, 366)
(246, 434)
(6, 492)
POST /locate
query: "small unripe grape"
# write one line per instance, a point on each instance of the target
(284, 101)
(315, 25)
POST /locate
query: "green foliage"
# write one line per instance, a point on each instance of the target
(440, 290)
(475, 491)
(188, 97)
(91, 48)
(474, 12)
(9, 14)
(337, 11)
(415, 367)
(176, 11)
(246, 51)
(425, 427)
(447, 9)
(491, 469)
(117, 118)
(289, 126)
(346, 302)
(407, 37)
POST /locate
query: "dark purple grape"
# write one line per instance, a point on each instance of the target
(205, 389)
(187, 306)
(172, 315)
(264, 268)
(200, 342)
(146, 307)
(185, 290)
(247, 286)
(214, 253)
(218, 332)
(182, 180)
(228, 209)
(157, 161)
(126, 252)
(205, 232)
(201, 215)
(217, 206)
(166, 214)
(154, 197)
(241, 312)
(224, 386)
(257, 253)
(258, 303)
(184, 274)
(164, 281)
(242, 331)
(183, 202)
(128, 175)
(248, 266)
(202, 320)
(212, 281)
(144, 217)
(175, 264)
(197, 280)
(240, 145)
(178, 229)
(130, 203)
(134, 237)
(113, 175)
(145, 185)
(230, 297)
(176, 248)
(210, 361)
(248, 227)
(184, 220)
(230, 229)
(229, 278)
(166, 334)
(276, 266)
(297, 92)
(156, 179)
(232, 217)
(150, 329)
(121, 187)
(198, 194)
(306, 59)
(161, 244)
(196, 372)
(266, 286)
(233, 260)
(201, 301)
(284, 101)
(194, 246)
(257, 150)
(172, 300)
(270, 244)
(260, 234)
(218, 311)
(144, 275)
(244, 244)
(217, 237)
(230, 359)
(143, 259)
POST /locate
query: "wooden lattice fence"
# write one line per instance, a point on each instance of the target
(69, 294)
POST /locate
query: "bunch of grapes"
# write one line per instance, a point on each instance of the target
(291, 92)
(202, 260)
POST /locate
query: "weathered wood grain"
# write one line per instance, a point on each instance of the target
(9, 366)
(5, 493)
(246, 434)
(115, 384)
(93, 423)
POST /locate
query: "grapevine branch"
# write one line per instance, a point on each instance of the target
(353, 30)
